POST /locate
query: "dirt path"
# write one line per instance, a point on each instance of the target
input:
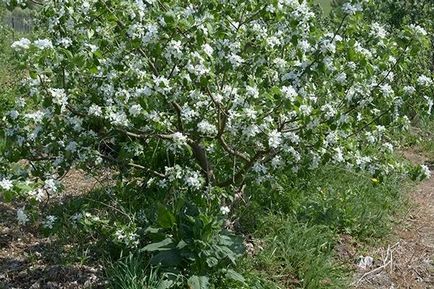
(408, 261)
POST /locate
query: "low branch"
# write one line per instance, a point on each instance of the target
(232, 151)
(133, 165)
(233, 179)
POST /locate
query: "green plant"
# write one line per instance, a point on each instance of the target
(296, 255)
(192, 241)
(130, 273)
(345, 201)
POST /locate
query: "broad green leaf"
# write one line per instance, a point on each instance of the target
(231, 274)
(164, 245)
(198, 282)
(170, 258)
(165, 218)
(165, 284)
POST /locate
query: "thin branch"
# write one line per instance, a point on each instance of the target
(232, 151)
(133, 165)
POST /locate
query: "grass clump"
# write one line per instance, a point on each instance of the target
(131, 273)
(296, 255)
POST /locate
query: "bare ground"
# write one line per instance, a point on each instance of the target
(408, 260)
(29, 260)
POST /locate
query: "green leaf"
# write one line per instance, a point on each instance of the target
(23, 188)
(8, 196)
(198, 282)
(212, 262)
(151, 230)
(231, 274)
(165, 218)
(33, 74)
(170, 258)
(98, 54)
(93, 69)
(164, 245)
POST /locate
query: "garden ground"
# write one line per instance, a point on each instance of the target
(407, 260)
(29, 259)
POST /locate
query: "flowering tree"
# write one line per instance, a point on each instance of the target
(203, 97)
(397, 14)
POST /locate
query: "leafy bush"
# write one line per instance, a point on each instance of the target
(190, 101)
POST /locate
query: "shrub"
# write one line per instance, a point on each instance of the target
(193, 100)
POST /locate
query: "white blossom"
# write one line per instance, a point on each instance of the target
(351, 9)
(194, 181)
(22, 217)
(425, 172)
(418, 29)
(43, 43)
(424, 80)
(274, 139)
(386, 89)
(235, 60)
(6, 184)
(409, 89)
(225, 210)
(179, 138)
(206, 128)
(49, 222)
(135, 110)
(252, 91)
(208, 49)
(95, 110)
(21, 44)
(289, 92)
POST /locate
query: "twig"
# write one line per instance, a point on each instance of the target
(388, 261)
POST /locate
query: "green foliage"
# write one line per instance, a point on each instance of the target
(193, 242)
(130, 273)
(341, 199)
(7, 74)
(296, 255)
(420, 138)
(178, 237)
(326, 5)
(297, 226)
(10, 75)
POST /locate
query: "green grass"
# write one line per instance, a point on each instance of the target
(131, 273)
(298, 227)
(296, 255)
(8, 75)
(424, 137)
(346, 201)
(419, 138)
